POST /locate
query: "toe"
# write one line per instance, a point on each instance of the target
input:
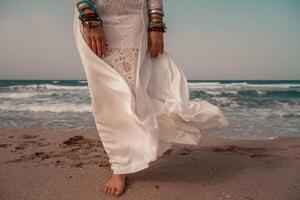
(113, 191)
(118, 192)
(103, 188)
(110, 190)
(106, 189)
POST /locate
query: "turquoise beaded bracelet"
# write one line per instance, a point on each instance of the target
(90, 5)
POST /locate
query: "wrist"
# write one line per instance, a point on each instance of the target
(88, 11)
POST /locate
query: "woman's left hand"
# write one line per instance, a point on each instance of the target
(155, 43)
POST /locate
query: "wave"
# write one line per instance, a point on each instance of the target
(285, 115)
(45, 87)
(17, 95)
(218, 85)
(74, 108)
(255, 93)
(270, 94)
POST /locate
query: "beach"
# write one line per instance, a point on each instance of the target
(40, 163)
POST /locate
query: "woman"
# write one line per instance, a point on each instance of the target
(140, 98)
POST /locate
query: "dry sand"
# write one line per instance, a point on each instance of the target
(37, 164)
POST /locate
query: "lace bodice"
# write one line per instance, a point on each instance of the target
(117, 8)
(121, 23)
(124, 61)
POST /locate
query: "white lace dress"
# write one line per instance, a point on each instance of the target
(140, 104)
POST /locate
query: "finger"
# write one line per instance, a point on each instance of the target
(152, 49)
(99, 50)
(149, 41)
(155, 49)
(106, 47)
(86, 36)
(85, 30)
(103, 47)
(88, 40)
(159, 45)
(94, 45)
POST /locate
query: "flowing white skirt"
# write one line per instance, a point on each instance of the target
(137, 126)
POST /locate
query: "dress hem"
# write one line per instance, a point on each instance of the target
(130, 169)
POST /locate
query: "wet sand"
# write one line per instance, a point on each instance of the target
(37, 164)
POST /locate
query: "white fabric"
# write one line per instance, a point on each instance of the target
(138, 125)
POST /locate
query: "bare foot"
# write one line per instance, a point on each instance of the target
(115, 185)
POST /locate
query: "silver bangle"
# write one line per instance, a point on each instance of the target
(156, 11)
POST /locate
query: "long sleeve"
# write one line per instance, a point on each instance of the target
(155, 4)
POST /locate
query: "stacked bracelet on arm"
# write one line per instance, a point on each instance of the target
(91, 19)
(156, 13)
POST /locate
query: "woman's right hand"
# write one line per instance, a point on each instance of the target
(94, 38)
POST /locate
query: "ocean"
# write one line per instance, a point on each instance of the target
(255, 109)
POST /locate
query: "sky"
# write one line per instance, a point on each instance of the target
(208, 39)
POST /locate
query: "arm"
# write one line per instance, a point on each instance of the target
(92, 27)
(156, 27)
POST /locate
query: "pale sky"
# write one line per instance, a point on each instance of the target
(208, 39)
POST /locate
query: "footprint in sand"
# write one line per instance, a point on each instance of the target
(295, 146)
(182, 151)
(30, 143)
(76, 151)
(260, 155)
(25, 136)
(239, 149)
(41, 155)
(82, 151)
(79, 165)
(19, 148)
(174, 150)
(4, 146)
(36, 155)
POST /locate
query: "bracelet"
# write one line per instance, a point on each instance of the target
(91, 24)
(156, 11)
(155, 17)
(156, 14)
(156, 29)
(89, 17)
(160, 24)
(86, 4)
(90, 20)
(155, 20)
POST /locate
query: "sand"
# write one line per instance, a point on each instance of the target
(37, 164)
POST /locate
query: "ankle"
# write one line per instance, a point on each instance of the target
(120, 175)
